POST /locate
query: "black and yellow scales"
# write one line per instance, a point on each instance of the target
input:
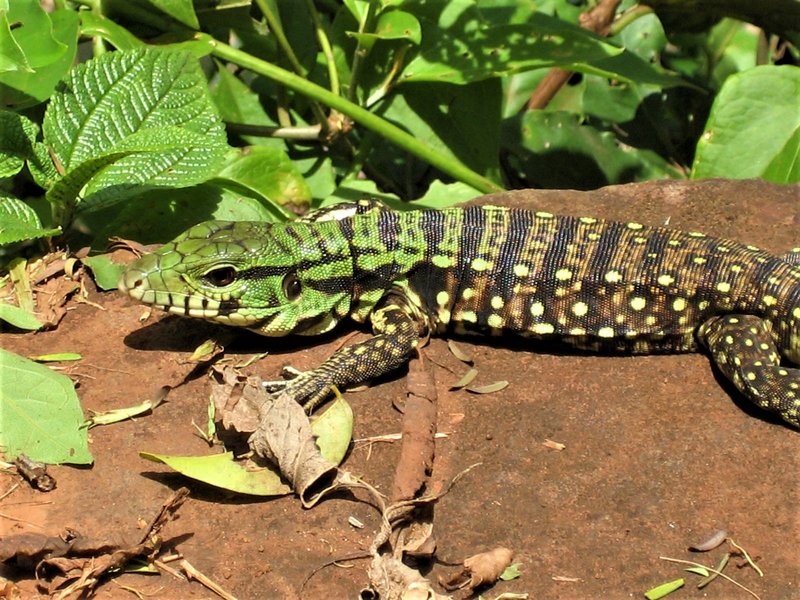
(593, 284)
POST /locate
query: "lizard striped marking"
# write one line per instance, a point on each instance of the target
(593, 284)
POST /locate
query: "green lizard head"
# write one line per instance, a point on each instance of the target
(274, 279)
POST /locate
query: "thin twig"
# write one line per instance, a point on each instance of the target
(746, 557)
(694, 564)
(193, 573)
(10, 491)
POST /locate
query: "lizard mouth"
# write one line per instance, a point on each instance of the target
(135, 284)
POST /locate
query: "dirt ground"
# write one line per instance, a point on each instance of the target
(659, 452)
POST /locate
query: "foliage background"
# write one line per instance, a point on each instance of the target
(140, 118)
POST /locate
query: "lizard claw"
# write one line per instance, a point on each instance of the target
(288, 373)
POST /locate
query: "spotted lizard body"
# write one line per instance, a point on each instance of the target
(593, 284)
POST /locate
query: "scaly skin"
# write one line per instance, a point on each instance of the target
(593, 284)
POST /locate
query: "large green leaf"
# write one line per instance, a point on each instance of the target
(269, 173)
(237, 103)
(18, 222)
(754, 127)
(17, 136)
(469, 50)
(555, 150)
(151, 103)
(19, 317)
(33, 33)
(12, 57)
(164, 157)
(160, 215)
(429, 112)
(40, 414)
(49, 43)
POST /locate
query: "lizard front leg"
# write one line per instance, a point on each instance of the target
(396, 336)
(744, 350)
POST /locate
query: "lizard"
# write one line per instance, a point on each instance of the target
(592, 284)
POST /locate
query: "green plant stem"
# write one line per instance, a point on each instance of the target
(275, 26)
(361, 51)
(391, 132)
(325, 46)
(287, 133)
(628, 17)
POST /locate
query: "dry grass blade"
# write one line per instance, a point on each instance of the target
(720, 574)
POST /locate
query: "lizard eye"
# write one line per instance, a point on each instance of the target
(220, 277)
(292, 286)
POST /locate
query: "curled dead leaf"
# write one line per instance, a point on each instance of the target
(553, 445)
(390, 579)
(715, 540)
(481, 569)
(284, 437)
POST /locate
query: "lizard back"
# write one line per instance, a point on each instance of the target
(595, 284)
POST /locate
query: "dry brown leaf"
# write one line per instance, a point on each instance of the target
(390, 579)
(481, 569)
(417, 539)
(26, 550)
(459, 353)
(715, 540)
(284, 437)
(9, 590)
(489, 388)
(553, 445)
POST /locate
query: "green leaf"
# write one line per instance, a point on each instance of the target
(391, 25)
(753, 127)
(237, 103)
(664, 589)
(57, 357)
(428, 112)
(94, 24)
(470, 51)
(166, 157)
(352, 190)
(555, 150)
(511, 572)
(161, 215)
(269, 173)
(17, 136)
(50, 43)
(332, 430)
(220, 470)
(19, 317)
(18, 222)
(702, 571)
(12, 57)
(153, 16)
(106, 272)
(149, 100)
(180, 10)
(40, 414)
(64, 193)
(445, 195)
(318, 173)
(33, 33)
